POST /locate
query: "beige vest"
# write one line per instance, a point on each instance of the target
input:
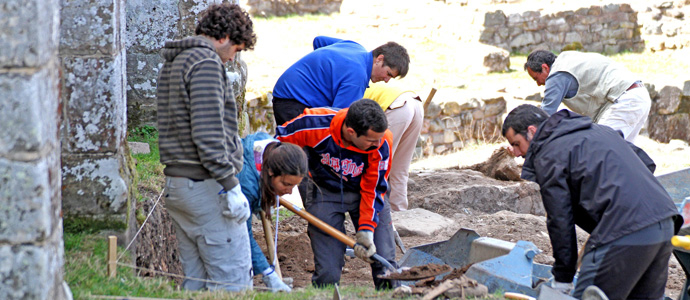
(601, 81)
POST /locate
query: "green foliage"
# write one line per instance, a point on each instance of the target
(73, 224)
(143, 133)
(148, 167)
(283, 213)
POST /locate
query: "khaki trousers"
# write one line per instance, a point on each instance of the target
(405, 117)
(211, 246)
(629, 113)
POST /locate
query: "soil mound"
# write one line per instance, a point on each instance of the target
(450, 191)
(501, 165)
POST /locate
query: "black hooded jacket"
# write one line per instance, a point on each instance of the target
(591, 177)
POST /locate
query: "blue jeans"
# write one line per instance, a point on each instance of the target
(259, 262)
(329, 252)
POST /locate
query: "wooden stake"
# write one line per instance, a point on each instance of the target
(112, 256)
(428, 98)
(268, 233)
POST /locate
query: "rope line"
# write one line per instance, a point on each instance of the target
(142, 226)
(275, 257)
(192, 278)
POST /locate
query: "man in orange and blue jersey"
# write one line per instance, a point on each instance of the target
(349, 153)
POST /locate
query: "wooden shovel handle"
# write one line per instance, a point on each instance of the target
(517, 296)
(268, 234)
(318, 223)
(337, 234)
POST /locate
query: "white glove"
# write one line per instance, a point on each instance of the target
(364, 247)
(562, 287)
(236, 205)
(273, 282)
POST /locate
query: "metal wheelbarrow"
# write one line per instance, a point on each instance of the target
(495, 263)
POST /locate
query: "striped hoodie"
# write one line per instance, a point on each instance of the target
(318, 131)
(197, 114)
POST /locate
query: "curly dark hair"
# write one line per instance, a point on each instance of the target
(227, 20)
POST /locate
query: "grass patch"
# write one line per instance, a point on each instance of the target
(149, 169)
(85, 273)
(73, 224)
(283, 213)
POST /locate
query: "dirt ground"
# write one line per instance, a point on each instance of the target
(438, 34)
(295, 255)
(296, 260)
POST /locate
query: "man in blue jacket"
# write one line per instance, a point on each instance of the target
(591, 177)
(335, 74)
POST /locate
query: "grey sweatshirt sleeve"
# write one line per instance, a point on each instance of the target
(557, 87)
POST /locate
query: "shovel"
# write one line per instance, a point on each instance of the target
(330, 230)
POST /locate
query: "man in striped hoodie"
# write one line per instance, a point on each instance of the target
(202, 151)
(349, 154)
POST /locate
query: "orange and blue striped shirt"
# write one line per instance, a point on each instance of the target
(318, 131)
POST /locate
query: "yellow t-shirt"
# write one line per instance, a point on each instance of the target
(383, 94)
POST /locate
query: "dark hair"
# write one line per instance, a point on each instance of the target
(227, 20)
(365, 114)
(280, 159)
(394, 56)
(539, 57)
(522, 117)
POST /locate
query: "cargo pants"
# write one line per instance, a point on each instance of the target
(212, 246)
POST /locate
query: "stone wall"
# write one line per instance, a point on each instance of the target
(149, 25)
(31, 248)
(267, 8)
(666, 25)
(96, 171)
(609, 29)
(669, 117)
(450, 122)
(455, 122)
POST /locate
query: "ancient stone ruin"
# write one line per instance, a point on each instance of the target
(610, 28)
(669, 117)
(31, 247)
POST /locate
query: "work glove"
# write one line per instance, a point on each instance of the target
(235, 204)
(562, 287)
(364, 247)
(273, 282)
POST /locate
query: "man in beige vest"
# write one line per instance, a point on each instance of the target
(405, 114)
(591, 84)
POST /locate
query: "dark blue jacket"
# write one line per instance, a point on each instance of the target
(591, 177)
